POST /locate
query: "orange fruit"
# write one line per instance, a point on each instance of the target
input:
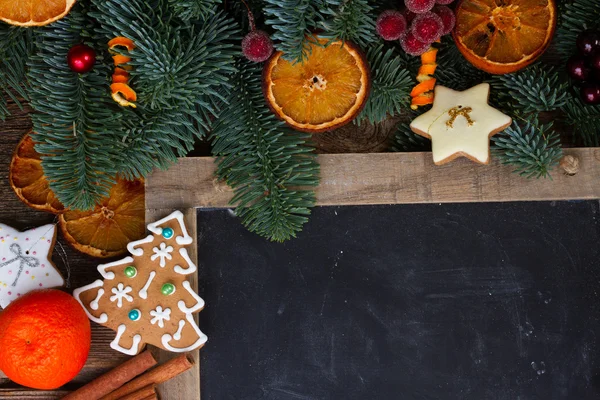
(33, 12)
(504, 36)
(324, 92)
(45, 339)
(27, 178)
(116, 221)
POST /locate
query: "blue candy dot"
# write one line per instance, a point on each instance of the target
(135, 314)
(168, 233)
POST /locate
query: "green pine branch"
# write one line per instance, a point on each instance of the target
(406, 140)
(391, 85)
(270, 167)
(75, 119)
(535, 89)
(585, 121)
(15, 46)
(532, 148)
(292, 21)
(179, 74)
(453, 70)
(194, 9)
(348, 20)
(576, 17)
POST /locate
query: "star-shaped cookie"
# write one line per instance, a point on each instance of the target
(26, 262)
(461, 124)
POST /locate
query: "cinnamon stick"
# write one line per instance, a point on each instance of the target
(115, 378)
(160, 374)
(142, 394)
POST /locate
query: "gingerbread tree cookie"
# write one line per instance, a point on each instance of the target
(146, 298)
(26, 262)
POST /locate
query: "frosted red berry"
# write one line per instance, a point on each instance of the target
(419, 6)
(444, 2)
(257, 46)
(447, 16)
(413, 46)
(391, 25)
(427, 27)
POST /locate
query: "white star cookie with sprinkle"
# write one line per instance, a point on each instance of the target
(461, 124)
(26, 262)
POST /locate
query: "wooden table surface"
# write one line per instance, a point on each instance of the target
(83, 268)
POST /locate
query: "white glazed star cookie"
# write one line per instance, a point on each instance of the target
(26, 262)
(461, 124)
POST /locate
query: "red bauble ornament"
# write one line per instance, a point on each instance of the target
(81, 58)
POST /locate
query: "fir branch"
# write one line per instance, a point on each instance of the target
(533, 149)
(391, 85)
(453, 70)
(292, 21)
(194, 9)
(269, 166)
(406, 140)
(179, 73)
(577, 16)
(349, 20)
(535, 89)
(584, 119)
(75, 120)
(16, 44)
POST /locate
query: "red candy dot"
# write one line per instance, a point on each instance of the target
(41, 285)
(26, 272)
(9, 293)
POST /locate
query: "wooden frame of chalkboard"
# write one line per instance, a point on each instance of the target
(368, 179)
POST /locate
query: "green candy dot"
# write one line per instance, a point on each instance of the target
(130, 272)
(168, 289)
(135, 314)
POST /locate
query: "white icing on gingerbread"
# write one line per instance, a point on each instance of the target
(199, 302)
(77, 293)
(144, 292)
(163, 252)
(160, 316)
(94, 303)
(191, 266)
(134, 347)
(120, 293)
(177, 335)
(132, 246)
(102, 268)
(166, 338)
(25, 262)
(181, 240)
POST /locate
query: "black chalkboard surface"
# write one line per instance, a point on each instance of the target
(459, 301)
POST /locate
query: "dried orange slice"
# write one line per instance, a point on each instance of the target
(28, 181)
(33, 12)
(324, 92)
(505, 36)
(116, 221)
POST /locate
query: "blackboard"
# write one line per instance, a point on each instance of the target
(455, 301)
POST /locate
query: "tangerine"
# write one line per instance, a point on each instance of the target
(45, 339)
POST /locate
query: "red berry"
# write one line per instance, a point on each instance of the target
(81, 58)
(427, 27)
(444, 2)
(590, 93)
(391, 25)
(257, 46)
(447, 16)
(419, 6)
(595, 62)
(577, 69)
(413, 46)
